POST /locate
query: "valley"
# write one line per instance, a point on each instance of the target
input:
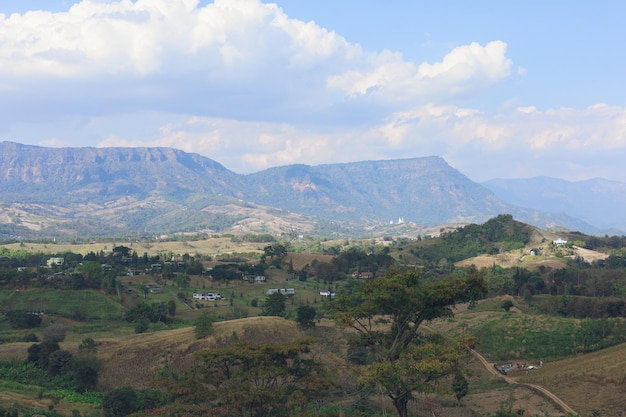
(565, 312)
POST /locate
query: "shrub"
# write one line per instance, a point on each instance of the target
(306, 317)
(203, 325)
(31, 337)
(507, 305)
(54, 333)
(22, 319)
(141, 326)
(120, 402)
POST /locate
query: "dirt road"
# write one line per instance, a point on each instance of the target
(490, 367)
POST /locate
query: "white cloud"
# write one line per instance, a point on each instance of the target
(559, 142)
(567, 143)
(464, 71)
(241, 82)
(239, 59)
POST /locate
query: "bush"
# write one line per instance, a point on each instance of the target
(83, 373)
(141, 326)
(203, 325)
(57, 362)
(22, 319)
(306, 317)
(54, 333)
(31, 337)
(507, 305)
(120, 402)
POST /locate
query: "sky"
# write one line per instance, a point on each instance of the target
(498, 89)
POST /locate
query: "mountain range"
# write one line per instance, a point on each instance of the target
(129, 191)
(596, 201)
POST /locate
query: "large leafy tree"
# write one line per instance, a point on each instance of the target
(256, 379)
(276, 254)
(387, 313)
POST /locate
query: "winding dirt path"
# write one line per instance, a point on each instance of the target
(491, 368)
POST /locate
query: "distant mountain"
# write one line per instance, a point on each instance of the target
(117, 191)
(95, 175)
(421, 190)
(597, 201)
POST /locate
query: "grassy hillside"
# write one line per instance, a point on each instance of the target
(588, 382)
(136, 359)
(88, 304)
(538, 327)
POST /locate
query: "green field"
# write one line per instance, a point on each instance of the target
(88, 304)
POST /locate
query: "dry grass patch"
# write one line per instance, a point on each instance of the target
(589, 383)
(300, 260)
(136, 359)
(18, 350)
(214, 246)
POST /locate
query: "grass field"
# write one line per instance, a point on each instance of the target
(91, 304)
(213, 246)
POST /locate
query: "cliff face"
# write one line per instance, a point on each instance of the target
(72, 175)
(126, 190)
(421, 190)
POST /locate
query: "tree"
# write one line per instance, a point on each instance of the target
(153, 313)
(83, 372)
(306, 317)
(121, 251)
(57, 362)
(460, 386)
(403, 301)
(417, 368)
(88, 345)
(276, 252)
(144, 290)
(274, 305)
(91, 273)
(120, 402)
(171, 308)
(55, 332)
(182, 281)
(22, 319)
(203, 325)
(40, 353)
(258, 380)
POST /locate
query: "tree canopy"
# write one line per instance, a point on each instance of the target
(387, 313)
(256, 379)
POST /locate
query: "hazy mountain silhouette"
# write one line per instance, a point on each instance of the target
(124, 190)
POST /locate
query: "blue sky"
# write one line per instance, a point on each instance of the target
(499, 89)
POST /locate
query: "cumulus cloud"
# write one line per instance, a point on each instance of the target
(521, 142)
(464, 71)
(240, 59)
(241, 82)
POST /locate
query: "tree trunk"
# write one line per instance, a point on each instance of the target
(401, 405)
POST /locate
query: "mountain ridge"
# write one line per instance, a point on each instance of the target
(153, 190)
(595, 200)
